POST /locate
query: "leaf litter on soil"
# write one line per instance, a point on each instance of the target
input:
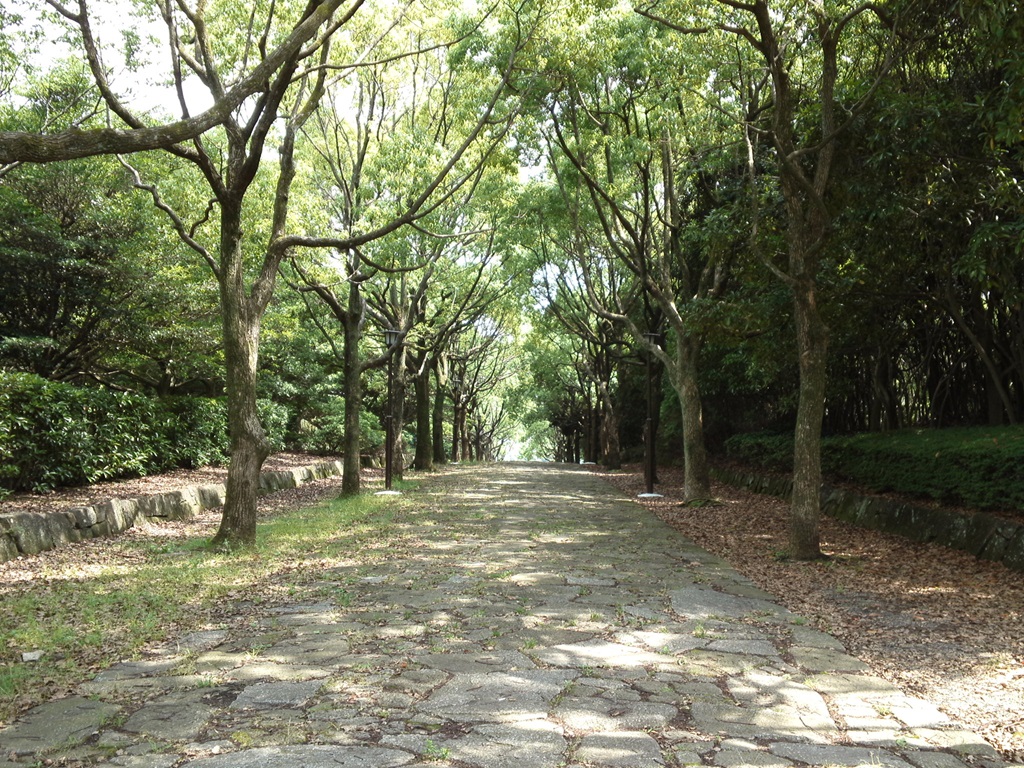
(936, 622)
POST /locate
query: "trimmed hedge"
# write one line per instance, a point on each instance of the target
(54, 434)
(978, 466)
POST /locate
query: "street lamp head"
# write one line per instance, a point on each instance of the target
(391, 336)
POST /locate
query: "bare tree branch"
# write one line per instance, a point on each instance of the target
(74, 143)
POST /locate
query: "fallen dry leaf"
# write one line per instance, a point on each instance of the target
(937, 622)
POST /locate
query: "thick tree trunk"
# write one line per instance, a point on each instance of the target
(696, 477)
(592, 433)
(352, 372)
(466, 449)
(611, 455)
(247, 440)
(458, 419)
(812, 348)
(424, 445)
(439, 454)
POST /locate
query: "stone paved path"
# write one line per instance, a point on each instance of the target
(553, 624)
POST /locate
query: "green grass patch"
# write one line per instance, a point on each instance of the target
(105, 601)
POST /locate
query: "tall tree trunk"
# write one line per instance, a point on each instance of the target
(466, 449)
(352, 371)
(812, 350)
(696, 478)
(424, 445)
(611, 455)
(458, 418)
(439, 454)
(248, 444)
(592, 432)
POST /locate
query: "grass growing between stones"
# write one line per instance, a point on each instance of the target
(82, 608)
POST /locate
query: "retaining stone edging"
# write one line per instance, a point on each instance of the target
(29, 533)
(982, 535)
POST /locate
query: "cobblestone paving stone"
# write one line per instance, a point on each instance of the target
(543, 622)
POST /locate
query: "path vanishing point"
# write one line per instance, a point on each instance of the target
(549, 622)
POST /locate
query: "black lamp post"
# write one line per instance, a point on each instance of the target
(649, 466)
(391, 337)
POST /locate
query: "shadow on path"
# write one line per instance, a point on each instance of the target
(540, 620)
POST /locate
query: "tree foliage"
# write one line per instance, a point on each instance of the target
(815, 209)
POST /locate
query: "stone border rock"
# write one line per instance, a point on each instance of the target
(29, 533)
(984, 536)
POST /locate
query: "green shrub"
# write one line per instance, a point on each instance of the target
(324, 433)
(762, 449)
(195, 430)
(275, 418)
(54, 434)
(979, 466)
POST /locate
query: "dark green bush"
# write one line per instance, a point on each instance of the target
(53, 434)
(195, 430)
(325, 432)
(762, 449)
(275, 418)
(979, 466)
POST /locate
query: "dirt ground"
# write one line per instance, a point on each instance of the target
(936, 622)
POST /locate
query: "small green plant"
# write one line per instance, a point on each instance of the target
(567, 690)
(244, 739)
(435, 753)
(256, 650)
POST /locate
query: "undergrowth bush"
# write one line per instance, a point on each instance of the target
(323, 432)
(275, 418)
(54, 434)
(978, 466)
(196, 430)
